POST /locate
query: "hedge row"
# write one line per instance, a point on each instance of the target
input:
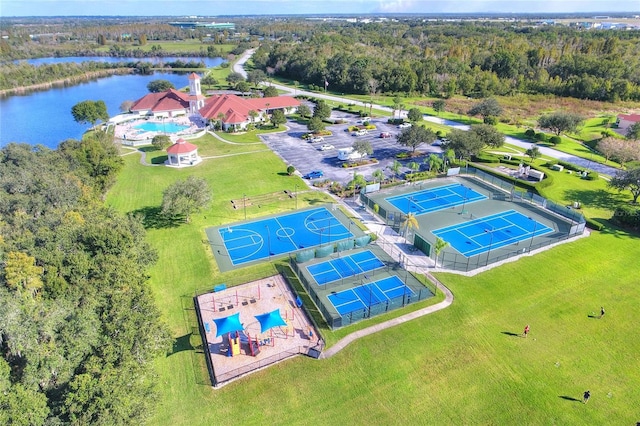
(627, 217)
(531, 186)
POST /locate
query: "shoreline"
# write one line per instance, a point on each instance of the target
(65, 81)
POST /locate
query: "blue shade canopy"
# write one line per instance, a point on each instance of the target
(228, 324)
(270, 320)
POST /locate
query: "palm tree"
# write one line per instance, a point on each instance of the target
(378, 175)
(438, 247)
(220, 118)
(435, 163)
(253, 114)
(395, 168)
(410, 222)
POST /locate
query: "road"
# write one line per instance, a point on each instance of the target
(545, 151)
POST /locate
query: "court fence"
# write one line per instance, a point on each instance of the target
(335, 320)
(503, 190)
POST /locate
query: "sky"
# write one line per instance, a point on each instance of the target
(212, 8)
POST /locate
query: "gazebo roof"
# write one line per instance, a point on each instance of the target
(181, 147)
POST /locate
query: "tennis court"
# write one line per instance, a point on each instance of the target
(491, 232)
(367, 295)
(434, 199)
(274, 236)
(345, 266)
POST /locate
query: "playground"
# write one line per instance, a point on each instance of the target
(253, 325)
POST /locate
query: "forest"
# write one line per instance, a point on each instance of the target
(78, 324)
(446, 59)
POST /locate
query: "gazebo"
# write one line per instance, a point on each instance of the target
(182, 154)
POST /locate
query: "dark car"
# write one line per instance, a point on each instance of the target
(314, 174)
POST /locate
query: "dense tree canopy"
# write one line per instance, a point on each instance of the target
(78, 328)
(415, 136)
(627, 180)
(185, 197)
(560, 122)
(464, 143)
(489, 135)
(444, 59)
(157, 86)
(90, 112)
(633, 132)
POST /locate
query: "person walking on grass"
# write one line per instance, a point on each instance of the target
(601, 312)
(586, 396)
(526, 331)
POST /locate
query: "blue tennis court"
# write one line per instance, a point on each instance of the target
(489, 232)
(370, 294)
(434, 199)
(274, 236)
(345, 266)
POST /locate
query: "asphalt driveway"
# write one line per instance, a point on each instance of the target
(306, 156)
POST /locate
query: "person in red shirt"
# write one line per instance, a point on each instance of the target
(526, 331)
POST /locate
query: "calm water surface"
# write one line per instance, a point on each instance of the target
(45, 117)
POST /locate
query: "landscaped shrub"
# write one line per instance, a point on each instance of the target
(290, 170)
(594, 224)
(540, 137)
(530, 133)
(484, 157)
(627, 217)
(555, 140)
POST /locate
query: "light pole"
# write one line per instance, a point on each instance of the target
(268, 241)
(244, 205)
(535, 224)
(464, 200)
(295, 194)
(490, 232)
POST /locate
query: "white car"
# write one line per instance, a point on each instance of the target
(316, 139)
(404, 126)
(326, 147)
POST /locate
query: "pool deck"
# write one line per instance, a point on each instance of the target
(127, 131)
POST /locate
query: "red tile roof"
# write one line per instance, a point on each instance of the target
(194, 76)
(236, 109)
(630, 117)
(171, 100)
(181, 147)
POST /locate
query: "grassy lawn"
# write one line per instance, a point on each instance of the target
(458, 366)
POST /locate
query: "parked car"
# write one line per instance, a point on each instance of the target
(385, 135)
(404, 125)
(326, 147)
(364, 119)
(361, 132)
(314, 174)
(316, 139)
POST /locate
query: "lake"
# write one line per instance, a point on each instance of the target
(44, 117)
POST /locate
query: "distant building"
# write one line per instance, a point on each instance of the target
(625, 121)
(212, 25)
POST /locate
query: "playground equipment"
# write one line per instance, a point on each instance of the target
(230, 301)
(234, 344)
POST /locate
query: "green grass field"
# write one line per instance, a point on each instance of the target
(458, 366)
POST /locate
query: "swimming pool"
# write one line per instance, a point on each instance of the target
(152, 126)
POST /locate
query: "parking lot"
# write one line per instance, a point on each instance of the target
(306, 156)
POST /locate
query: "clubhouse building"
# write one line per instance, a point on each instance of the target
(231, 112)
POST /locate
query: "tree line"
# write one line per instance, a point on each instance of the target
(78, 326)
(446, 59)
